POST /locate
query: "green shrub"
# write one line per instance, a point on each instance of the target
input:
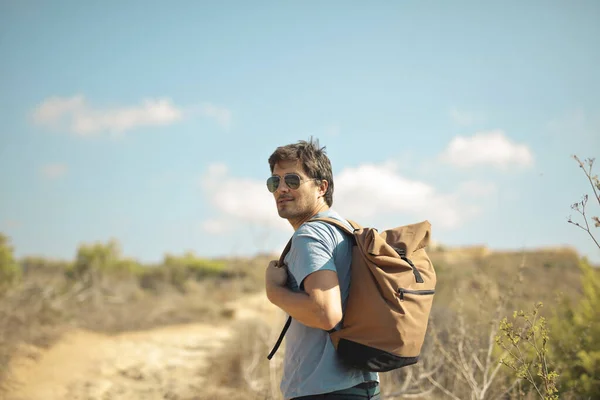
(188, 266)
(576, 338)
(102, 259)
(525, 341)
(576, 328)
(10, 273)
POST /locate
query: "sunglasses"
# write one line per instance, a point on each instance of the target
(293, 181)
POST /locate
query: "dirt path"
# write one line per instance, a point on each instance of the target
(162, 363)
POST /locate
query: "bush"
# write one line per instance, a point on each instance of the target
(10, 273)
(98, 260)
(576, 339)
(188, 266)
(576, 329)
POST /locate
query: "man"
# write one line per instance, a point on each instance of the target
(313, 285)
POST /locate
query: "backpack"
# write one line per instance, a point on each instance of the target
(391, 293)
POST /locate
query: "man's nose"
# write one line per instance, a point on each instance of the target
(283, 187)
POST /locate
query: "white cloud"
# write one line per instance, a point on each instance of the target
(74, 114)
(215, 171)
(487, 148)
(54, 171)
(77, 116)
(239, 200)
(369, 190)
(362, 193)
(54, 108)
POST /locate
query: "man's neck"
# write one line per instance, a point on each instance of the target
(298, 222)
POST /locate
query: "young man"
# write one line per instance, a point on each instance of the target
(313, 285)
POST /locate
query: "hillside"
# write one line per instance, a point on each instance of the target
(183, 312)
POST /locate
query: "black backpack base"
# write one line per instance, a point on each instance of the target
(370, 359)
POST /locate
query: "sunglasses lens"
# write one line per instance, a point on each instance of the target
(273, 183)
(292, 181)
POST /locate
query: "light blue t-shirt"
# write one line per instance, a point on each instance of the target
(311, 365)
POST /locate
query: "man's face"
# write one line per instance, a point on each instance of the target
(299, 203)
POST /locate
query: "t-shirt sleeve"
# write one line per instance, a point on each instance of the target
(312, 250)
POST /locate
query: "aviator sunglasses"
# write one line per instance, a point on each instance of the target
(293, 181)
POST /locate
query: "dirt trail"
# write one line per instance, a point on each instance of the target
(162, 363)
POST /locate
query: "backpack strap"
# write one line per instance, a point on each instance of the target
(281, 263)
(281, 335)
(339, 224)
(286, 250)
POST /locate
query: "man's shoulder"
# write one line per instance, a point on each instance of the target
(322, 230)
(332, 215)
(313, 228)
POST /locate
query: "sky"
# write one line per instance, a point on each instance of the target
(151, 122)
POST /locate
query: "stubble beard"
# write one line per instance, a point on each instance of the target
(294, 211)
(287, 212)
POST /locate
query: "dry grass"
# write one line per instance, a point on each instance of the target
(243, 366)
(477, 287)
(47, 304)
(518, 278)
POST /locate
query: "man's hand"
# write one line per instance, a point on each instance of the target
(275, 276)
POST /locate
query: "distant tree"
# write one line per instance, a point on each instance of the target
(95, 261)
(189, 266)
(9, 269)
(92, 259)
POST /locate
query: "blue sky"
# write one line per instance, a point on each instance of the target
(152, 122)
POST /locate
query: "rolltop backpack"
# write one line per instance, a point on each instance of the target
(391, 294)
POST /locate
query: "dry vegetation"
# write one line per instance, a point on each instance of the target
(50, 298)
(460, 359)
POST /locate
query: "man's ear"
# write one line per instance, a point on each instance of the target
(323, 187)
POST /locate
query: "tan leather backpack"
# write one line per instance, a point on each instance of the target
(391, 293)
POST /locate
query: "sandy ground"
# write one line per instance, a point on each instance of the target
(162, 363)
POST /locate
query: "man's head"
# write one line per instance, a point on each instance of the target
(302, 180)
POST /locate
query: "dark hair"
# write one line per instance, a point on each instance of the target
(315, 162)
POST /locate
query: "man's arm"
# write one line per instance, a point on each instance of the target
(319, 307)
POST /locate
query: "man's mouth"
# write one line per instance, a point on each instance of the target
(284, 200)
